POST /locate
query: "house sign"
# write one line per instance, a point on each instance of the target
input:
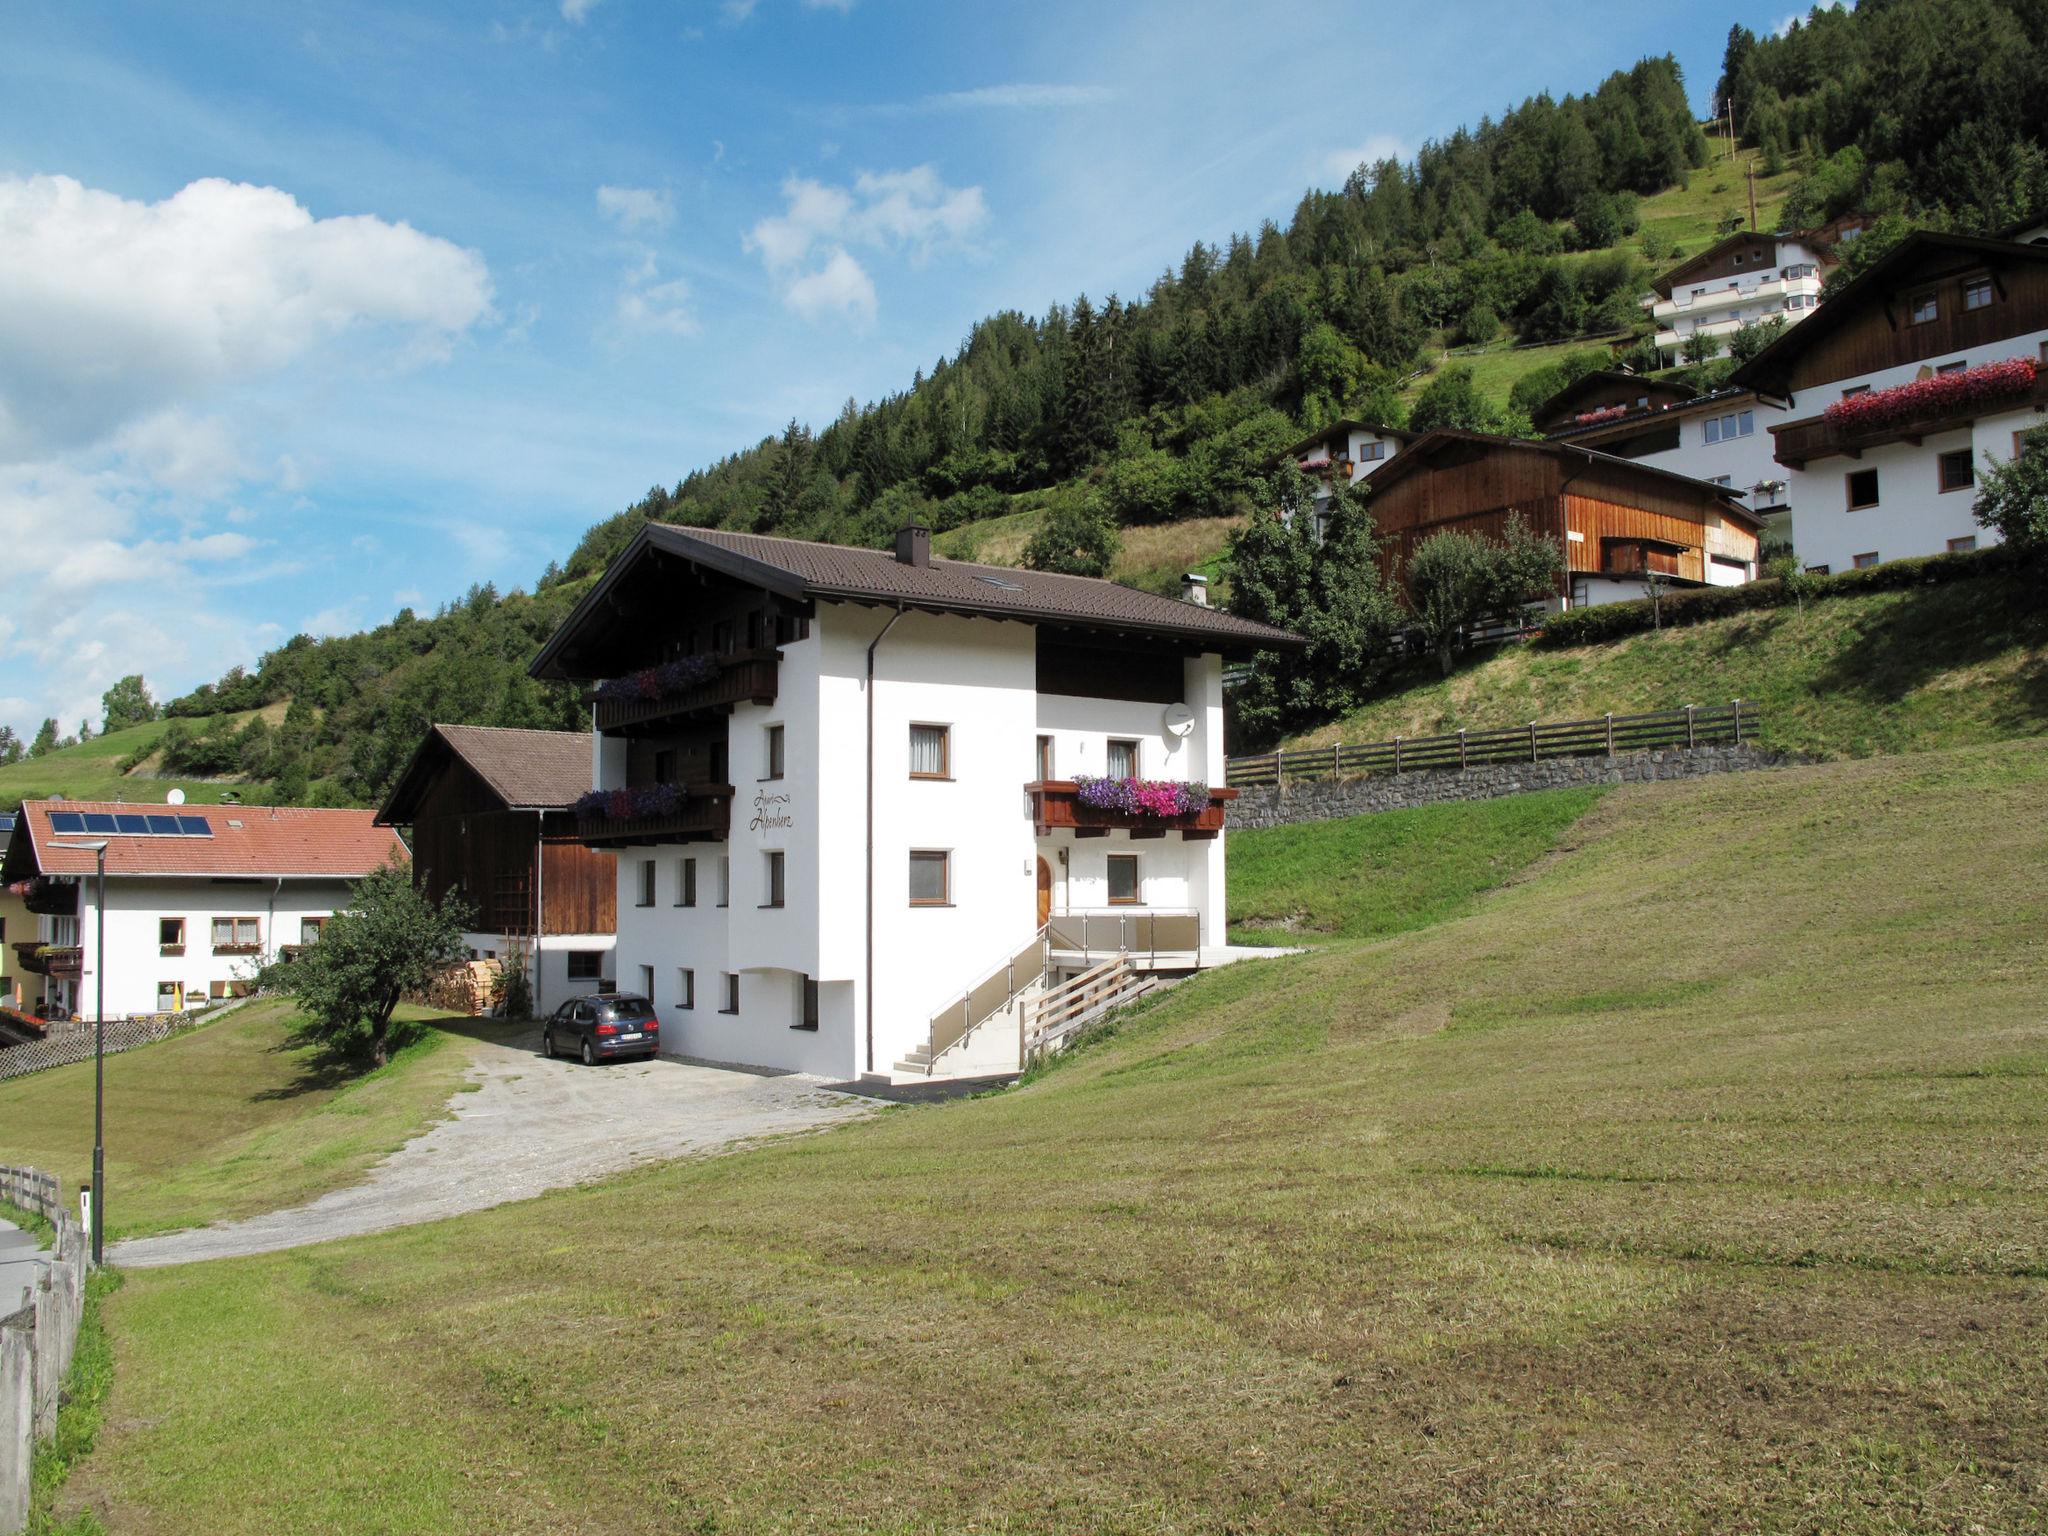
(771, 813)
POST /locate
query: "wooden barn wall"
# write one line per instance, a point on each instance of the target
(581, 889)
(1599, 519)
(1879, 337)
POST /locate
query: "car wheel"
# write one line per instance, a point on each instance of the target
(589, 1056)
(547, 1046)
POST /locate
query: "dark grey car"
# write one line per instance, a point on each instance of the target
(602, 1026)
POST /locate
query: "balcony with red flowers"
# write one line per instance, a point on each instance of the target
(1909, 412)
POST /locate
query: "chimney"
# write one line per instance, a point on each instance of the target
(1194, 589)
(913, 545)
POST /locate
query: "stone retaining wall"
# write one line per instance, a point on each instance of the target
(36, 1345)
(1269, 805)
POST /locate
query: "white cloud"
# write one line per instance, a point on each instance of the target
(660, 307)
(338, 620)
(737, 11)
(576, 10)
(842, 286)
(911, 212)
(113, 310)
(1340, 163)
(1015, 96)
(636, 208)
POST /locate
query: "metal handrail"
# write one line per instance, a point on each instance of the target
(936, 1045)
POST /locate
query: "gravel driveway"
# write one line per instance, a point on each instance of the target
(533, 1125)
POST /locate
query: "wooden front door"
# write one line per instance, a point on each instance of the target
(1044, 892)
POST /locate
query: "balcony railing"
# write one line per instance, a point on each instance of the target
(49, 898)
(61, 961)
(705, 815)
(1056, 806)
(1801, 442)
(744, 677)
(1147, 934)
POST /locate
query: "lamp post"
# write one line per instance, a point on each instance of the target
(99, 1047)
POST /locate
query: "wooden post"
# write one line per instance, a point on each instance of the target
(1461, 749)
(1532, 741)
(1277, 773)
(1397, 756)
(1610, 733)
(1337, 761)
(1688, 727)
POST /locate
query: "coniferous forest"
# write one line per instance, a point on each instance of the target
(1118, 411)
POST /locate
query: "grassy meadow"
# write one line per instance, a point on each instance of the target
(228, 1119)
(1845, 677)
(1689, 1180)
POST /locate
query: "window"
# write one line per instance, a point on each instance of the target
(1923, 308)
(1816, 570)
(725, 880)
(647, 981)
(721, 636)
(665, 766)
(1367, 452)
(647, 879)
(754, 631)
(1043, 761)
(170, 935)
(1721, 429)
(930, 877)
(310, 929)
(1123, 760)
(1951, 368)
(686, 988)
(1123, 880)
(774, 857)
(1862, 486)
(807, 1005)
(1976, 293)
(170, 995)
(1854, 390)
(240, 934)
(930, 752)
(686, 883)
(1958, 469)
(585, 964)
(1963, 545)
(774, 752)
(732, 992)
(1865, 561)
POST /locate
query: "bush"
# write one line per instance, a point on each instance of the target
(2014, 495)
(1616, 621)
(1074, 541)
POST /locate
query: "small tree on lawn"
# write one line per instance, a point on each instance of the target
(1458, 580)
(1075, 540)
(389, 941)
(2013, 496)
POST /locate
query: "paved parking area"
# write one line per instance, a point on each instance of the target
(532, 1125)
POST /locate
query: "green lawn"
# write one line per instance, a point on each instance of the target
(1692, 1181)
(92, 771)
(1846, 677)
(227, 1120)
(1688, 216)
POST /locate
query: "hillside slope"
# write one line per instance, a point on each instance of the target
(1846, 677)
(1669, 1189)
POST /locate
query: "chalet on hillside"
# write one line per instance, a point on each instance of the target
(1604, 396)
(1742, 279)
(1899, 392)
(493, 817)
(1353, 449)
(1613, 518)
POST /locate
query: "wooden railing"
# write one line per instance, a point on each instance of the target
(1056, 806)
(55, 960)
(745, 676)
(1736, 721)
(1057, 1013)
(705, 814)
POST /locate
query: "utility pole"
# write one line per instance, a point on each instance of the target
(1750, 167)
(1729, 105)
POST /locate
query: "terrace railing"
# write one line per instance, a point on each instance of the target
(743, 677)
(1608, 735)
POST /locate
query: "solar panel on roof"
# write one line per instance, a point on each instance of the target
(163, 826)
(195, 826)
(66, 821)
(128, 823)
(98, 821)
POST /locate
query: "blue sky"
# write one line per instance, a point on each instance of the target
(312, 311)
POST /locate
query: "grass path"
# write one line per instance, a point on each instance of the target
(1692, 1181)
(225, 1121)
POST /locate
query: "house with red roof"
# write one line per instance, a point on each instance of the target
(197, 897)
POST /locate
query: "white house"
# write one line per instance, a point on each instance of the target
(1741, 280)
(850, 790)
(1896, 396)
(1723, 437)
(196, 898)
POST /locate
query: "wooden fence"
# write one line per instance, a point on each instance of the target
(1736, 721)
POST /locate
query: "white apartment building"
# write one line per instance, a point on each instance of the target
(197, 897)
(852, 790)
(1897, 396)
(1741, 280)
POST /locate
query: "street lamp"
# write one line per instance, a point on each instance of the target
(99, 1048)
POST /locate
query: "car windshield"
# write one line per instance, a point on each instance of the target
(626, 1008)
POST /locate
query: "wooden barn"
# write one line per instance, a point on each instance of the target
(1613, 519)
(492, 818)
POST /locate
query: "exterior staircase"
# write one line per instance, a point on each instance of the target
(1019, 1013)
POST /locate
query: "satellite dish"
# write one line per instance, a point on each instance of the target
(1179, 720)
(175, 797)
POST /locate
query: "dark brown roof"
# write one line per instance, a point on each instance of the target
(1820, 241)
(1771, 369)
(279, 842)
(1601, 378)
(800, 569)
(527, 770)
(1670, 410)
(1417, 457)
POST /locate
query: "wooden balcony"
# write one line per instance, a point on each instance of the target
(1799, 443)
(61, 962)
(1056, 807)
(745, 677)
(704, 816)
(50, 898)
